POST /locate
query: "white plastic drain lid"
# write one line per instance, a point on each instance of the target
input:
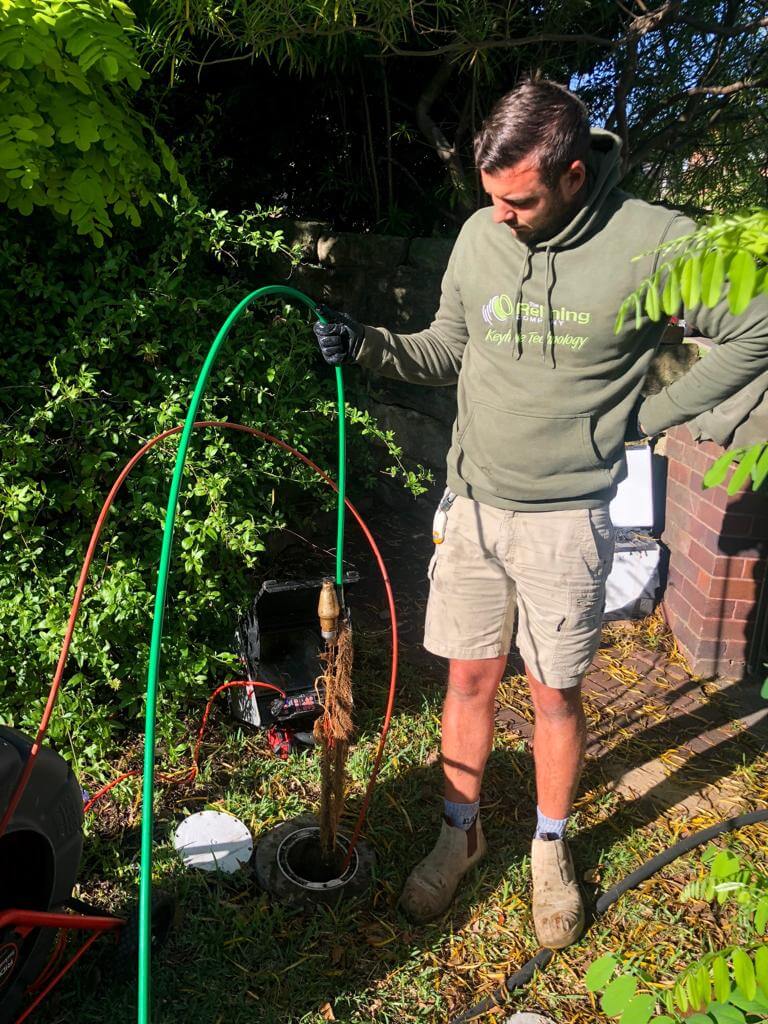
(213, 841)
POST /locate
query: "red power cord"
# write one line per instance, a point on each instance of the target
(192, 773)
(59, 672)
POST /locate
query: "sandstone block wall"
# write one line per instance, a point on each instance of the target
(391, 282)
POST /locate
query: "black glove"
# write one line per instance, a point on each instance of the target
(340, 339)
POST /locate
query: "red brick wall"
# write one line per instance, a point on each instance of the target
(718, 547)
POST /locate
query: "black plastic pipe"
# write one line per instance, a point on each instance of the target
(647, 870)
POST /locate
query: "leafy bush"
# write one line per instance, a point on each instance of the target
(728, 986)
(69, 136)
(101, 353)
(728, 251)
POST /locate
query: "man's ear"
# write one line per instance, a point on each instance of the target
(573, 179)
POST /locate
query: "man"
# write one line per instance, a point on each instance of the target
(545, 393)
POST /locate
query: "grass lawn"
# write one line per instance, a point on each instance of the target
(235, 957)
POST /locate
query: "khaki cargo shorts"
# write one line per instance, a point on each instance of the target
(550, 566)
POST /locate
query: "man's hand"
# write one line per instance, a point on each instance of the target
(340, 339)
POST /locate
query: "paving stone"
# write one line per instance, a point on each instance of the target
(635, 664)
(608, 653)
(655, 661)
(599, 680)
(677, 673)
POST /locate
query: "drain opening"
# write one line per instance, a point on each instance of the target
(307, 860)
(301, 858)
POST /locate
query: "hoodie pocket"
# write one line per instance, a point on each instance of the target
(533, 456)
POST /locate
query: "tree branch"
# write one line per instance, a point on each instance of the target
(465, 46)
(624, 84)
(715, 29)
(727, 90)
(448, 153)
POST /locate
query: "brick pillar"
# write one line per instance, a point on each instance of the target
(717, 548)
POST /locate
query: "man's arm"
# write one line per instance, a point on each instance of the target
(432, 356)
(738, 357)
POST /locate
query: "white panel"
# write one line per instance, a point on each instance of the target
(631, 588)
(633, 505)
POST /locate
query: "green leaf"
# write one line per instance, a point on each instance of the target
(725, 864)
(725, 1014)
(670, 297)
(698, 1018)
(599, 972)
(639, 1010)
(690, 280)
(718, 471)
(638, 311)
(761, 961)
(652, 304)
(110, 67)
(618, 995)
(744, 973)
(10, 156)
(694, 996)
(722, 979)
(663, 1019)
(742, 273)
(744, 469)
(739, 1000)
(680, 997)
(760, 470)
(703, 986)
(712, 278)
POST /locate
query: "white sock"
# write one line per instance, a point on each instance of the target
(549, 828)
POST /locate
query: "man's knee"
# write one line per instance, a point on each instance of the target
(553, 704)
(477, 679)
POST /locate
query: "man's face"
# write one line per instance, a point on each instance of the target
(531, 209)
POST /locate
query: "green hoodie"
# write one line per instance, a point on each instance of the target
(545, 386)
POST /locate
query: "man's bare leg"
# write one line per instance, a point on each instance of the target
(468, 715)
(466, 744)
(559, 739)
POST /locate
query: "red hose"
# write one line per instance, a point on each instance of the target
(57, 676)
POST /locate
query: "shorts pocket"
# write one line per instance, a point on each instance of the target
(580, 629)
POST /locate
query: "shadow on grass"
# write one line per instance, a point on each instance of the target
(237, 957)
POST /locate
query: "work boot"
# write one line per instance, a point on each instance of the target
(431, 885)
(558, 911)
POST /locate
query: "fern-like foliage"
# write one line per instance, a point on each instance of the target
(727, 253)
(726, 986)
(69, 136)
(752, 466)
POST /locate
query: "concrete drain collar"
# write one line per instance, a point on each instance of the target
(289, 868)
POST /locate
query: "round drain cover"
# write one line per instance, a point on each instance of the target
(213, 841)
(528, 1018)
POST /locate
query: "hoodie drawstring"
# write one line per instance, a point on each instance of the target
(525, 266)
(548, 325)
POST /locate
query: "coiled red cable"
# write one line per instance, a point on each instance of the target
(66, 643)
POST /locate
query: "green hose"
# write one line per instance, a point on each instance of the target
(147, 798)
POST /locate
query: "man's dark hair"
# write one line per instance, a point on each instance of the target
(538, 119)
